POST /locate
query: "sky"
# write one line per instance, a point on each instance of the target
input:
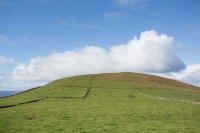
(44, 40)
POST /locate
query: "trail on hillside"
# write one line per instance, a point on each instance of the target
(162, 98)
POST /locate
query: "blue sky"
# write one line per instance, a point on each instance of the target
(42, 40)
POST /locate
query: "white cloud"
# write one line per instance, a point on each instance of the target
(85, 26)
(2, 73)
(3, 38)
(73, 23)
(10, 85)
(25, 39)
(133, 4)
(62, 22)
(114, 15)
(189, 75)
(4, 60)
(149, 53)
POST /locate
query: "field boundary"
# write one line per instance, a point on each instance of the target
(36, 100)
(162, 98)
(31, 101)
(86, 93)
(89, 86)
(72, 82)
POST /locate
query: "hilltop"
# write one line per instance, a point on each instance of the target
(123, 80)
(107, 102)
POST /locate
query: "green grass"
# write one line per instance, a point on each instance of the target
(171, 94)
(43, 92)
(112, 105)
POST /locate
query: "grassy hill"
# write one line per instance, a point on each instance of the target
(110, 102)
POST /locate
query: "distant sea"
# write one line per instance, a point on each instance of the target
(8, 93)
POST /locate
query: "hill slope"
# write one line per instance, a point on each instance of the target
(123, 80)
(110, 102)
(79, 86)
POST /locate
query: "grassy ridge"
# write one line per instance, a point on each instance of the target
(112, 105)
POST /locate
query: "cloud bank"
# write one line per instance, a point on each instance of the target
(189, 75)
(149, 53)
(2, 74)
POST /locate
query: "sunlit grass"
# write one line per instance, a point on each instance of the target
(171, 94)
(112, 105)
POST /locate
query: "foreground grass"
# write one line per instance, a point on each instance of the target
(110, 110)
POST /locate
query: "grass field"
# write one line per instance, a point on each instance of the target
(113, 104)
